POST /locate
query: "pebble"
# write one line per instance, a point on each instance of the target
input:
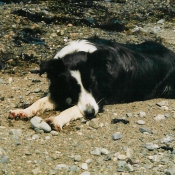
(85, 173)
(144, 129)
(93, 123)
(162, 103)
(61, 166)
(151, 146)
(84, 166)
(142, 114)
(167, 139)
(159, 117)
(117, 136)
(99, 151)
(104, 151)
(35, 137)
(39, 123)
(129, 114)
(74, 169)
(121, 157)
(4, 159)
(140, 122)
(54, 133)
(16, 133)
(88, 161)
(77, 158)
(170, 170)
(123, 166)
(37, 90)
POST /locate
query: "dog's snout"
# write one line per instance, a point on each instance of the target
(89, 111)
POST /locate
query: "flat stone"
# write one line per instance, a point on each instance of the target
(140, 122)
(96, 151)
(162, 103)
(94, 123)
(144, 129)
(117, 136)
(84, 166)
(159, 117)
(39, 123)
(151, 146)
(142, 114)
(77, 158)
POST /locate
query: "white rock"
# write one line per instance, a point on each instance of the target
(104, 151)
(122, 157)
(142, 114)
(84, 166)
(140, 122)
(159, 117)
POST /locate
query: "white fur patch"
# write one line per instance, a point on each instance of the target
(76, 46)
(85, 97)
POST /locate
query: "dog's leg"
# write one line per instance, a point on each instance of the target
(64, 117)
(40, 105)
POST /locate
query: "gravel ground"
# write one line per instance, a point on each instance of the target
(142, 143)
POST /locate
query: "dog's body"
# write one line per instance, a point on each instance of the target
(87, 74)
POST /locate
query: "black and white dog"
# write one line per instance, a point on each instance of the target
(87, 74)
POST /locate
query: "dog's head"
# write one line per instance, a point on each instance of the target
(66, 88)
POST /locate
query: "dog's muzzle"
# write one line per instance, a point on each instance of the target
(89, 112)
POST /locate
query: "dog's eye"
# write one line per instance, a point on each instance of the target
(68, 101)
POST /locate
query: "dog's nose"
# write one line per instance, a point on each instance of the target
(89, 112)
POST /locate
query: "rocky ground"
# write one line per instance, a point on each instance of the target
(142, 144)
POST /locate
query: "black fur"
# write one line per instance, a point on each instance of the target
(114, 73)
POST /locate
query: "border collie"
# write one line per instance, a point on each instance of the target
(85, 75)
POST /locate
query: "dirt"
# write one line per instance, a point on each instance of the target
(30, 154)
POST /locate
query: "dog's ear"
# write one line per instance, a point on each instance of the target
(53, 66)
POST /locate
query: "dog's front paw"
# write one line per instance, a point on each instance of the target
(53, 123)
(20, 113)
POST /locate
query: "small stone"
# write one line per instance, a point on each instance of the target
(54, 133)
(37, 90)
(61, 166)
(120, 166)
(4, 159)
(85, 173)
(140, 122)
(167, 139)
(142, 114)
(96, 151)
(151, 146)
(93, 123)
(129, 152)
(84, 166)
(143, 130)
(162, 103)
(117, 136)
(129, 114)
(77, 158)
(121, 157)
(47, 137)
(159, 117)
(88, 161)
(129, 167)
(35, 137)
(74, 169)
(104, 151)
(16, 132)
(170, 170)
(36, 171)
(39, 123)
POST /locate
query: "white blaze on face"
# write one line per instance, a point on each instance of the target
(76, 46)
(85, 98)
